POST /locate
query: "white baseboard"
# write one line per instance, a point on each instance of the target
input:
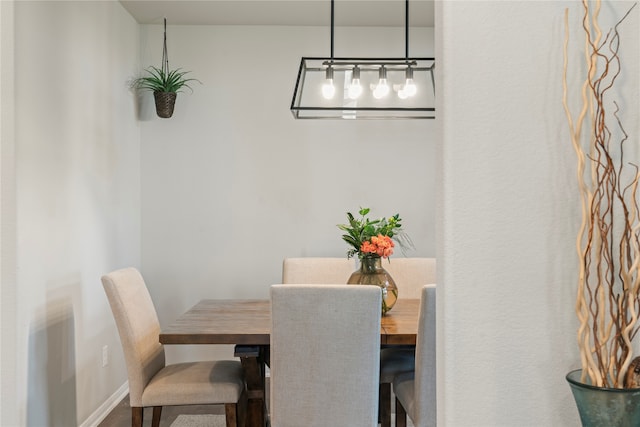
(104, 409)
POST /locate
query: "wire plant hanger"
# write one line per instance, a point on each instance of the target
(165, 55)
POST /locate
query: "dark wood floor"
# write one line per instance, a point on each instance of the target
(120, 416)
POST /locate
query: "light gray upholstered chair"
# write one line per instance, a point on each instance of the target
(317, 270)
(410, 275)
(325, 355)
(152, 383)
(416, 391)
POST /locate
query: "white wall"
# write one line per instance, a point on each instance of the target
(8, 291)
(508, 210)
(77, 211)
(232, 184)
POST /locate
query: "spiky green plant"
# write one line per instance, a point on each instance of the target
(161, 80)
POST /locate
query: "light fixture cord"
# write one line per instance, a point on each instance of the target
(165, 55)
(332, 6)
(406, 29)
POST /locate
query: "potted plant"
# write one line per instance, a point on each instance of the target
(165, 85)
(164, 82)
(608, 242)
(372, 240)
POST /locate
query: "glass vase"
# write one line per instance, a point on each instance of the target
(605, 407)
(372, 273)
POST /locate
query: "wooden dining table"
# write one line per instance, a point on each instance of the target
(247, 325)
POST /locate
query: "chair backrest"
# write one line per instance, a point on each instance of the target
(138, 327)
(317, 271)
(411, 274)
(325, 355)
(425, 372)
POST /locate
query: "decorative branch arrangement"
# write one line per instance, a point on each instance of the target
(608, 241)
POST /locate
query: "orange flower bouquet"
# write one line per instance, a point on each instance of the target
(373, 238)
(379, 245)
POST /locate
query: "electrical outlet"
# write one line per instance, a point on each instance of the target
(105, 355)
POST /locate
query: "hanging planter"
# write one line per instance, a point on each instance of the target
(164, 83)
(165, 101)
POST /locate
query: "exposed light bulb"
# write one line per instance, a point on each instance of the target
(410, 88)
(355, 89)
(382, 89)
(328, 89)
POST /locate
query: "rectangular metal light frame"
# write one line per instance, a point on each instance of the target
(308, 103)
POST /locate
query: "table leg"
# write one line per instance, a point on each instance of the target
(253, 359)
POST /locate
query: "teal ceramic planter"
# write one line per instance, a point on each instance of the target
(605, 407)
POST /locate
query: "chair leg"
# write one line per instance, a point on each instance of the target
(384, 404)
(157, 412)
(137, 415)
(231, 414)
(401, 415)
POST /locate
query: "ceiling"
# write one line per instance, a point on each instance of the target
(282, 12)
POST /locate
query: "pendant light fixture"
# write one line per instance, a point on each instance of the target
(365, 88)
